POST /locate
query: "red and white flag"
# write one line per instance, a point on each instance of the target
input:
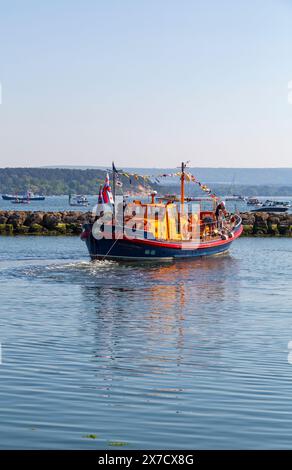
(107, 192)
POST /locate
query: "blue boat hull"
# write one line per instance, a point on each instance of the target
(271, 209)
(128, 250)
(104, 249)
(10, 197)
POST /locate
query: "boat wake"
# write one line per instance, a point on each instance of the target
(83, 265)
(81, 268)
(78, 273)
(43, 269)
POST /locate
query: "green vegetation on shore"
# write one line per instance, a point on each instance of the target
(57, 181)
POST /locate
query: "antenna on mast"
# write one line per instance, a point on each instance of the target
(182, 181)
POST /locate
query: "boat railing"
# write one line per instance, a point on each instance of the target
(213, 228)
(219, 227)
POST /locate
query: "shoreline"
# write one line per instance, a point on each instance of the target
(69, 223)
(42, 223)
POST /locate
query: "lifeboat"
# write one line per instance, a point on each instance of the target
(162, 229)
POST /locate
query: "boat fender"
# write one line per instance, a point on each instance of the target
(85, 234)
(224, 236)
(231, 235)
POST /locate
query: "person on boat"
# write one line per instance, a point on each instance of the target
(220, 213)
(220, 210)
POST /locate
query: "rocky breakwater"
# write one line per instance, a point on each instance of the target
(258, 224)
(42, 223)
(263, 224)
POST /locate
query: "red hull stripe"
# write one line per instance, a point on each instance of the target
(191, 246)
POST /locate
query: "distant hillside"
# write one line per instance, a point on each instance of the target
(233, 176)
(228, 190)
(56, 181)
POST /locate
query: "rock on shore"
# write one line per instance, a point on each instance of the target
(42, 223)
(257, 224)
(262, 224)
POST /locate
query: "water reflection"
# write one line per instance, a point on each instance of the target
(162, 356)
(152, 317)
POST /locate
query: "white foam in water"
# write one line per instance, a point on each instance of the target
(90, 265)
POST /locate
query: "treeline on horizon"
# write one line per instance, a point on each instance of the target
(231, 189)
(58, 181)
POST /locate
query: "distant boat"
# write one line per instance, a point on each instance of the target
(279, 203)
(273, 206)
(78, 200)
(23, 197)
(253, 201)
(168, 197)
(235, 197)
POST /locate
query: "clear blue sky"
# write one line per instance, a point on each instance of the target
(147, 83)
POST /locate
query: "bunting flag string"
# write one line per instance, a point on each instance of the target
(189, 177)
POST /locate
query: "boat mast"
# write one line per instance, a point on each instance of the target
(114, 184)
(114, 204)
(182, 183)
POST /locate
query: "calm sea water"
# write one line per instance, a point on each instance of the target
(51, 203)
(61, 203)
(191, 354)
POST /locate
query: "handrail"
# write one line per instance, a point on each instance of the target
(216, 227)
